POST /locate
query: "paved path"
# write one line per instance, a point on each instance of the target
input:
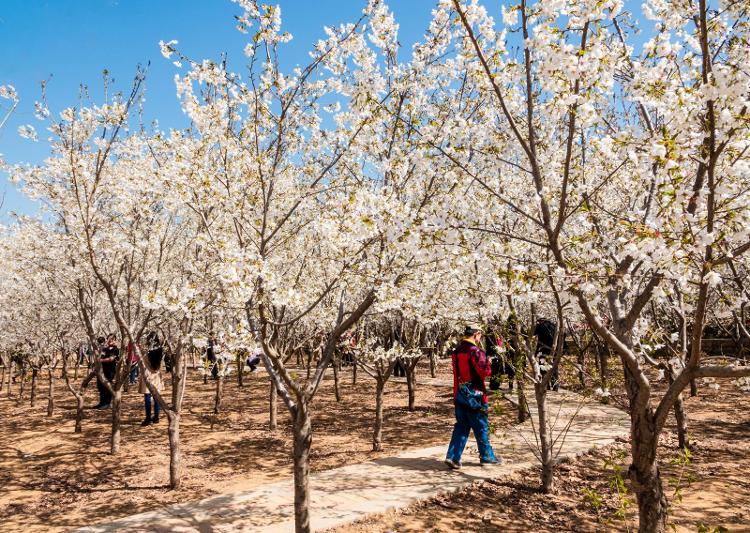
(348, 493)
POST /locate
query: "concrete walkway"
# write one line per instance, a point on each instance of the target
(349, 493)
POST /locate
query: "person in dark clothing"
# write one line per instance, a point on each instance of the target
(101, 389)
(110, 354)
(470, 366)
(211, 357)
(133, 362)
(253, 361)
(152, 365)
(544, 332)
(501, 365)
(399, 370)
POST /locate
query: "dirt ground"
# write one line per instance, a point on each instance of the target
(708, 492)
(52, 479)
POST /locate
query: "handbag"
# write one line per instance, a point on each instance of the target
(467, 397)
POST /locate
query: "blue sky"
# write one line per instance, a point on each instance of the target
(70, 42)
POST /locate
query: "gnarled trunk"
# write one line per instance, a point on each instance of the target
(302, 443)
(646, 482)
(644, 470)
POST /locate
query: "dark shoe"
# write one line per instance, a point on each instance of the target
(490, 462)
(453, 465)
(146, 422)
(155, 420)
(105, 406)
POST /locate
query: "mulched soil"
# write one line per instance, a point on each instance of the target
(708, 492)
(52, 479)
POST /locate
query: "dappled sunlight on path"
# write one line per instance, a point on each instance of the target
(348, 493)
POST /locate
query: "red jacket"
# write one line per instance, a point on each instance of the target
(470, 363)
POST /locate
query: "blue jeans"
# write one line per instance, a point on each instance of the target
(133, 374)
(147, 401)
(467, 421)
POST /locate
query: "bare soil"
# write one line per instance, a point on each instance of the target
(52, 479)
(708, 492)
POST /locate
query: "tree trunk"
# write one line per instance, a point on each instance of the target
(219, 393)
(173, 431)
(411, 385)
(79, 412)
(2, 379)
(23, 384)
(604, 370)
(302, 444)
(354, 370)
(582, 368)
(273, 407)
(545, 439)
(116, 415)
(51, 393)
(693, 388)
(240, 373)
(646, 482)
(336, 390)
(377, 434)
(682, 426)
(34, 382)
(644, 470)
(10, 378)
(680, 414)
(523, 406)
(433, 363)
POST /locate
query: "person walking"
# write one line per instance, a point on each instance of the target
(133, 361)
(470, 368)
(152, 365)
(545, 333)
(109, 355)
